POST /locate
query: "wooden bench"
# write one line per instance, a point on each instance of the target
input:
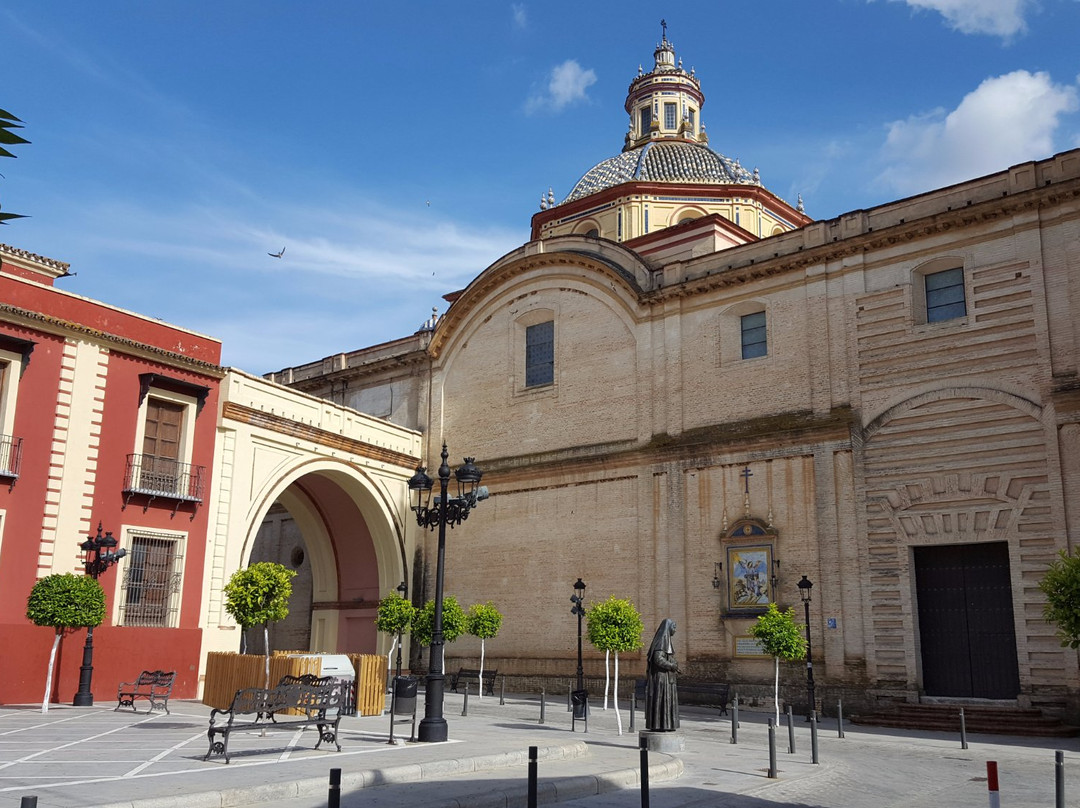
(318, 701)
(154, 686)
(712, 694)
(468, 675)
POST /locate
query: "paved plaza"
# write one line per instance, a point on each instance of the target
(77, 757)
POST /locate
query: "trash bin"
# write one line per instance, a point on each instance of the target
(580, 701)
(403, 704)
(404, 689)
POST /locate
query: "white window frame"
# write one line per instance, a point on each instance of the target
(10, 393)
(127, 539)
(187, 428)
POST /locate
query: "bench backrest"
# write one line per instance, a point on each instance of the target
(295, 696)
(156, 678)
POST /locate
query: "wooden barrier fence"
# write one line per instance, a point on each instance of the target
(228, 672)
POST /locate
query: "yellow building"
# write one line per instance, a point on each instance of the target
(687, 393)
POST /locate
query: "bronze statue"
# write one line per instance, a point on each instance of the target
(661, 691)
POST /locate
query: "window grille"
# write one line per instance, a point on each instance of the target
(540, 354)
(150, 595)
(945, 295)
(754, 338)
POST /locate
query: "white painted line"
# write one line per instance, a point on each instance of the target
(161, 755)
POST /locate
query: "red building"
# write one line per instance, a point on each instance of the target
(106, 417)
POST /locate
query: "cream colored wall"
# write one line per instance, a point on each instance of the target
(256, 464)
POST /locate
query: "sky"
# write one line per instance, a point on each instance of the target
(395, 150)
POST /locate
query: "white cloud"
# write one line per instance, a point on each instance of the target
(567, 84)
(519, 17)
(1002, 18)
(1005, 120)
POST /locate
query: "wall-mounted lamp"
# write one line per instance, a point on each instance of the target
(718, 567)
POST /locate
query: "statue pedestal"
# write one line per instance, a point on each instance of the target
(661, 741)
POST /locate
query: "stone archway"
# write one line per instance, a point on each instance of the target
(340, 478)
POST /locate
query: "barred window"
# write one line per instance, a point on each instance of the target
(152, 580)
(754, 337)
(540, 354)
(945, 295)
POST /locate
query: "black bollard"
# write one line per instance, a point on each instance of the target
(839, 718)
(735, 719)
(1059, 779)
(813, 736)
(465, 704)
(333, 796)
(502, 690)
(633, 708)
(532, 777)
(790, 732)
(543, 699)
(963, 730)
(31, 802)
(644, 777)
(569, 697)
(772, 749)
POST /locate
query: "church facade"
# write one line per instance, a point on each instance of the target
(686, 392)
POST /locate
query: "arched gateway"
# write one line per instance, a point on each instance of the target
(320, 488)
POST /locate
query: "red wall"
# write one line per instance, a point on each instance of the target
(119, 652)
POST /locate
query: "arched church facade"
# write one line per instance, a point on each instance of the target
(696, 411)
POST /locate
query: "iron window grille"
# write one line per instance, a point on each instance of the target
(10, 456)
(540, 354)
(150, 595)
(163, 477)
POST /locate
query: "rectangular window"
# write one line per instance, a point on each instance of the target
(753, 335)
(540, 354)
(10, 445)
(693, 119)
(160, 470)
(669, 116)
(945, 295)
(152, 581)
(646, 120)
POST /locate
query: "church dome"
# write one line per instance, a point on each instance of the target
(668, 161)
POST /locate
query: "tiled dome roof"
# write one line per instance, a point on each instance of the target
(663, 161)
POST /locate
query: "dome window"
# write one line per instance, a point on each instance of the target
(669, 116)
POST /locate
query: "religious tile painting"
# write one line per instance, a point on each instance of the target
(749, 577)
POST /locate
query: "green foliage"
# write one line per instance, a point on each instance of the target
(614, 625)
(454, 621)
(779, 634)
(259, 594)
(66, 601)
(1061, 585)
(484, 620)
(395, 614)
(9, 138)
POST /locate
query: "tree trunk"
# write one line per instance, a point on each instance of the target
(49, 675)
(266, 650)
(390, 659)
(776, 689)
(607, 675)
(480, 678)
(615, 695)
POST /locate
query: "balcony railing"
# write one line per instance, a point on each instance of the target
(10, 456)
(161, 477)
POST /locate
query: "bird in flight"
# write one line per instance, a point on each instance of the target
(277, 254)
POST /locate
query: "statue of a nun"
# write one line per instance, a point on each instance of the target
(661, 691)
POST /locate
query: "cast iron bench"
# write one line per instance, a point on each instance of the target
(260, 708)
(154, 686)
(466, 675)
(713, 694)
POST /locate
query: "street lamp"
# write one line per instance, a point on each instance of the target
(403, 590)
(805, 585)
(580, 698)
(446, 511)
(95, 564)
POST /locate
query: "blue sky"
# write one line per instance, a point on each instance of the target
(397, 149)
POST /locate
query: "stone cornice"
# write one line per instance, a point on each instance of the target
(744, 270)
(332, 440)
(64, 328)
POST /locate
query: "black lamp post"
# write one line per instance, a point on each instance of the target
(95, 564)
(805, 585)
(446, 511)
(578, 599)
(403, 590)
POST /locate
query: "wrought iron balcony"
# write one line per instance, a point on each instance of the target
(10, 456)
(153, 476)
